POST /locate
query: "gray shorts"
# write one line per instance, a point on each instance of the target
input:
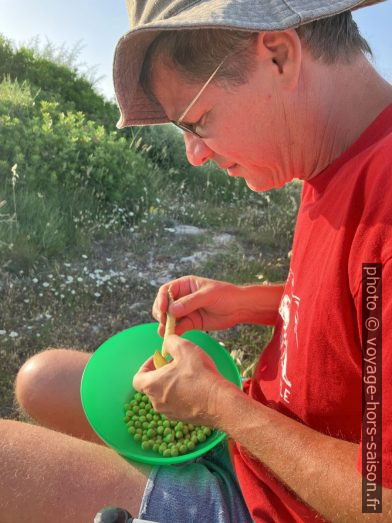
(201, 490)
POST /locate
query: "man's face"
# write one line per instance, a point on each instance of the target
(243, 129)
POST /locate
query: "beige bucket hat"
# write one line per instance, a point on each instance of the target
(149, 17)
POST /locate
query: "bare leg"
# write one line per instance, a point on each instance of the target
(48, 389)
(51, 477)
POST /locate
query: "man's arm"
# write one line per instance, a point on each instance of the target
(320, 469)
(259, 303)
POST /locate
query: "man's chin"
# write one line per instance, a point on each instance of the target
(260, 187)
(265, 183)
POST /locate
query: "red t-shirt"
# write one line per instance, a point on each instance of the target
(311, 370)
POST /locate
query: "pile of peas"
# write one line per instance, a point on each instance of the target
(156, 432)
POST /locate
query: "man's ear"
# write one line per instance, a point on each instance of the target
(282, 52)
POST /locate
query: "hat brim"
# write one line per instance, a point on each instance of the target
(136, 108)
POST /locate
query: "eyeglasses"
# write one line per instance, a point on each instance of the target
(190, 127)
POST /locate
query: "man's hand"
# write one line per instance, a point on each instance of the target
(186, 388)
(200, 303)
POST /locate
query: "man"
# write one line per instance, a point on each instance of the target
(268, 103)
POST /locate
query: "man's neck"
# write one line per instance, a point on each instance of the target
(344, 102)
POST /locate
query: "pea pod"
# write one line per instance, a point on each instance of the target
(159, 358)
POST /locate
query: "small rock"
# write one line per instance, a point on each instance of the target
(188, 229)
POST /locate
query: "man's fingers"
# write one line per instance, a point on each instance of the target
(193, 321)
(161, 302)
(147, 365)
(142, 377)
(176, 346)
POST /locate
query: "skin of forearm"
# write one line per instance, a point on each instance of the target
(259, 303)
(320, 469)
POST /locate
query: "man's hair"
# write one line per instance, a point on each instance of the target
(197, 52)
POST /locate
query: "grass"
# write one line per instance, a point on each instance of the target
(83, 297)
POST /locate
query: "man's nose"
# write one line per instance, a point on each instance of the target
(197, 151)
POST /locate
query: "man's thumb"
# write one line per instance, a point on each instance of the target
(188, 304)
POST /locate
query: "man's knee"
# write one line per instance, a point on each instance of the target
(42, 375)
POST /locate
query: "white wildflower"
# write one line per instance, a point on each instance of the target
(13, 334)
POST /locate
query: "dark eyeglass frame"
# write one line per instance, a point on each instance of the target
(189, 127)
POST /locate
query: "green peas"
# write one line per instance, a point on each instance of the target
(155, 432)
(162, 447)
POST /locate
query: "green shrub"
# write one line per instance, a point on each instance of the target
(61, 152)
